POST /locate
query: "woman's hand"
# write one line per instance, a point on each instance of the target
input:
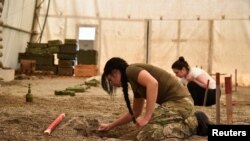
(141, 121)
(104, 127)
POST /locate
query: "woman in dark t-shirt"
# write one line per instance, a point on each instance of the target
(151, 85)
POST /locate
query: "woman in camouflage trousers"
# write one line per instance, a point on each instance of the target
(169, 111)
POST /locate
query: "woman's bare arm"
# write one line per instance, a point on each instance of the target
(151, 85)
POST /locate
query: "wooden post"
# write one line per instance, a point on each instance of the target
(218, 93)
(206, 91)
(235, 77)
(228, 89)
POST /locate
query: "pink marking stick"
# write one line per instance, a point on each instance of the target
(54, 123)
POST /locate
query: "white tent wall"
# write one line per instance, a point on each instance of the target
(230, 46)
(212, 34)
(17, 17)
(62, 28)
(167, 45)
(162, 49)
(123, 39)
(231, 49)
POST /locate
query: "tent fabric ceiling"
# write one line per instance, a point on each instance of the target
(150, 9)
(211, 34)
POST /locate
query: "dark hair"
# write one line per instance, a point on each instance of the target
(180, 63)
(121, 65)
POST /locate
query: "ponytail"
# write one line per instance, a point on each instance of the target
(121, 65)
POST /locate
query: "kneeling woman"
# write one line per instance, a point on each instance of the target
(173, 118)
(196, 81)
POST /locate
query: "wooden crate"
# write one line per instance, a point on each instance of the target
(85, 70)
(41, 59)
(66, 63)
(68, 48)
(66, 56)
(69, 71)
(70, 41)
(27, 66)
(87, 57)
(45, 68)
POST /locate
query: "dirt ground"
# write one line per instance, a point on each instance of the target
(24, 121)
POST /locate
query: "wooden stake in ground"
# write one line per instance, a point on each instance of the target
(218, 93)
(236, 84)
(54, 123)
(206, 91)
(228, 89)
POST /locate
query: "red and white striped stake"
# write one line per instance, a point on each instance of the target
(54, 123)
(236, 84)
(228, 89)
(218, 93)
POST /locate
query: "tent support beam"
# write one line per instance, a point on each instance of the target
(147, 39)
(35, 21)
(210, 46)
(15, 28)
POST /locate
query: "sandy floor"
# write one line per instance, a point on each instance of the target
(24, 121)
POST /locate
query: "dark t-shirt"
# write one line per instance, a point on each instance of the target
(169, 87)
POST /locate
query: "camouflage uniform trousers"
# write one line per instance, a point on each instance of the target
(172, 120)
